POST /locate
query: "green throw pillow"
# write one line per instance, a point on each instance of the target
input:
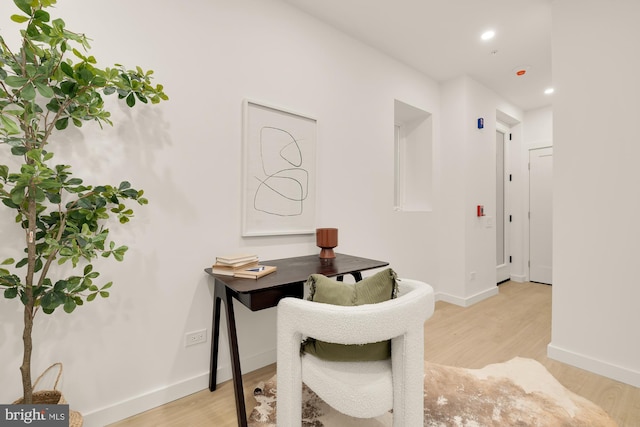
(380, 287)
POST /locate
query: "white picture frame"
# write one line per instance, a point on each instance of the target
(279, 171)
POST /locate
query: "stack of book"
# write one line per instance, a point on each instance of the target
(244, 266)
(229, 265)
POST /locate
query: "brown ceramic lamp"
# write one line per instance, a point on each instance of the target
(327, 239)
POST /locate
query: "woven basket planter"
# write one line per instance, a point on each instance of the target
(53, 397)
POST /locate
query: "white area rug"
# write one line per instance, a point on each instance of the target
(520, 392)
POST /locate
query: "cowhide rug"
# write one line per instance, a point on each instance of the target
(520, 392)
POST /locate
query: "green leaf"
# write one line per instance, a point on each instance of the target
(85, 74)
(24, 5)
(29, 92)
(42, 15)
(58, 24)
(107, 286)
(99, 81)
(60, 285)
(74, 181)
(10, 203)
(142, 98)
(62, 123)
(19, 151)
(131, 100)
(19, 18)
(16, 81)
(54, 198)
(44, 90)
(51, 300)
(4, 172)
(69, 305)
(10, 293)
(53, 105)
(69, 88)
(9, 125)
(92, 296)
(77, 53)
(67, 69)
(32, 31)
(104, 294)
(8, 261)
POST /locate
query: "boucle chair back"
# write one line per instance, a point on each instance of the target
(359, 389)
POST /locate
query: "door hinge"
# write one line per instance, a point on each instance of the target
(510, 218)
(510, 137)
(510, 259)
(510, 177)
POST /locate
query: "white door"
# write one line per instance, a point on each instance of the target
(540, 218)
(502, 225)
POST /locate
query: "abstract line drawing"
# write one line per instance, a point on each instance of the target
(285, 184)
(279, 171)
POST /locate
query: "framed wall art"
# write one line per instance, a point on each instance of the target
(279, 170)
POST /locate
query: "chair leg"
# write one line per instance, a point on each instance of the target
(289, 380)
(408, 380)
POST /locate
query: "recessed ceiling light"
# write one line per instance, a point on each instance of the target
(487, 35)
(549, 91)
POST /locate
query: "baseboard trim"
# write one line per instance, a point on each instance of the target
(468, 301)
(520, 278)
(160, 396)
(600, 367)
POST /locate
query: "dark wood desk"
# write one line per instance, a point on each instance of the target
(287, 281)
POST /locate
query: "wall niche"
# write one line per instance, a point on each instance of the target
(413, 157)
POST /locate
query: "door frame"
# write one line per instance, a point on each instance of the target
(503, 271)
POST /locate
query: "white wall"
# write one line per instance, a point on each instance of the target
(596, 176)
(467, 172)
(126, 353)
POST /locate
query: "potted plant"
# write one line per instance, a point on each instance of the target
(48, 83)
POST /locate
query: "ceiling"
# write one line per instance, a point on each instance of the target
(441, 38)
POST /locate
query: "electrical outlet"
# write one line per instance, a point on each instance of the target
(195, 337)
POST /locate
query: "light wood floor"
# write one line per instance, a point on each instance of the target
(516, 322)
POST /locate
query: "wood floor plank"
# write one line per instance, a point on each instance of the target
(516, 322)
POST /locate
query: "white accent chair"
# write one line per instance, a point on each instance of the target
(359, 389)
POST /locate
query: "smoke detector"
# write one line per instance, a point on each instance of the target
(521, 71)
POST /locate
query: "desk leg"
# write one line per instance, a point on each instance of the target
(235, 361)
(213, 371)
(356, 275)
(222, 293)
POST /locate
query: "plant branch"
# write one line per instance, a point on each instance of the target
(8, 49)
